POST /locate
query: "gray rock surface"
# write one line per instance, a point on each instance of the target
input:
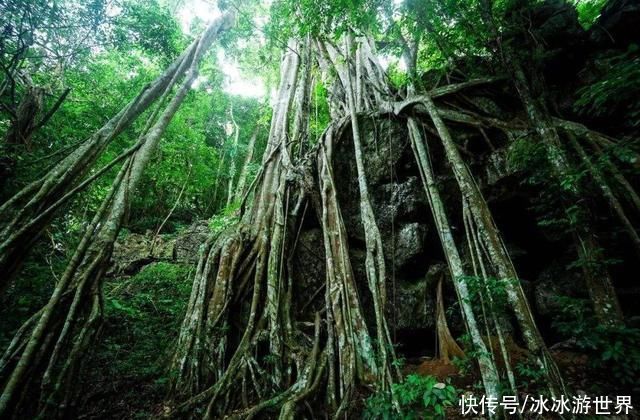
(133, 251)
(187, 243)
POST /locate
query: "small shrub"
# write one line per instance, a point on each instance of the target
(225, 219)
(530, 374)
(142, 314)
(613, 349)
(418, 397)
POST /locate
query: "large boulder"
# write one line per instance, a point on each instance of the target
(187, 243)
(396, 193)
(409, 244)
(133, 251)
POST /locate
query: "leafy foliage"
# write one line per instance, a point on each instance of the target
(616, 89)
(320, 112)
(225, 219)
(31, 291)
(149, 27)
(530, 374)
(589, 11)
(418, 397)
(490, 292)
(614, 349)
(141, 314)
(297, 18)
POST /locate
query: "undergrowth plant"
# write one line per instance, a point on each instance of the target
(141, 314)
(614, 350)
(419, 397)
(225, 219)
(616, 89)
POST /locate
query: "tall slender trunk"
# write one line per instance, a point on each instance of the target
(608, 194)
(488, 369)
(82, 280)
(244, 173)
(497, 253)
(21, 221)
(232, 164)
(374, 261)
(204, 359)
(598, 280)
(486, 361)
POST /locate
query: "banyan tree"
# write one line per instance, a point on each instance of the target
(260, 341)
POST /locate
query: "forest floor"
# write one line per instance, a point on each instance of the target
(140, 394)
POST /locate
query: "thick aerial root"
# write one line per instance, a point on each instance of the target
(496, 312)
(374, 261)
(486, 362)
(607, 192)
(219, 255)
(253, 260)
(307, 382)
(355, 350)
(25, 215)
(498, 255)
(213, 366)
(269, 357)
(69, 323)
(209, 361)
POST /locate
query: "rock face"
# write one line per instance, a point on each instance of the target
(618, 23)
(188, 242)
(309, 273)
(404, 219)
(556, 281)
(397, 196)
(409, 244)
(133, 251)
(417, 306)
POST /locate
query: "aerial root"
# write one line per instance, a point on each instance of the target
(307, 382)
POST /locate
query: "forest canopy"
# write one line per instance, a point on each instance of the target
(318, 209)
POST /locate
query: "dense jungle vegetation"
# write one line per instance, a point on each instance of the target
(317, 209)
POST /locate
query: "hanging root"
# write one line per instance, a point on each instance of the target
(276, 362)
(307, 382)
(40, 369)
(261, 348)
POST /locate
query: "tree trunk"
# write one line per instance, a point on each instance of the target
(488, 369)
(233, 153)
(244, 173)
(599, 282)
(20, 221)
(497, 253)
(71, 317)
